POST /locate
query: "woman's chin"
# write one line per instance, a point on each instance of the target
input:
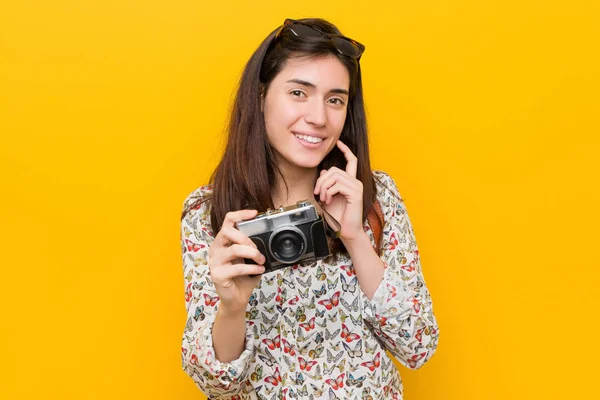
(301, 159)
(307, 163)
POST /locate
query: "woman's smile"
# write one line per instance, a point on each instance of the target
(311, 142)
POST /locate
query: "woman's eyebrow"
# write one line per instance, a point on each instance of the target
(312, 85)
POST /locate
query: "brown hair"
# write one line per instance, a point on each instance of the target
(243, 178)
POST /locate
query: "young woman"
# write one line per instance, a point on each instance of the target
(320, 328)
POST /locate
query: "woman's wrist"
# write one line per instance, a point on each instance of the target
(228, 335)
(231, 313)
(360, 241)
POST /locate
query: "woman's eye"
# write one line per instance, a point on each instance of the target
(297, 93)
(339, 101)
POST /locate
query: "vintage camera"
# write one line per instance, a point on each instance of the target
(287, 235)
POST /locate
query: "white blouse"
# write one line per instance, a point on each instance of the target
(310, 330)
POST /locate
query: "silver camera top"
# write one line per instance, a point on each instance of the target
(268, 221)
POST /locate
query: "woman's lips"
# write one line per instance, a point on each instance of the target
(309, 144)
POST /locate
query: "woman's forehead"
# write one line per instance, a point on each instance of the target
(324, 73)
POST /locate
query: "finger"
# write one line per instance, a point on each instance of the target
(331, 191)
(325, 185)
(229, 235)
(340, 188)
(316, 191)
(349, 187)
(235, 270)
(324, 175)
(247, 269)
(352, 161)
(235, 216)
(325, 181)
(229, 222)
(241, 251)
(331, 179)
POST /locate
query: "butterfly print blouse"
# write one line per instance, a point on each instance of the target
(311, 332)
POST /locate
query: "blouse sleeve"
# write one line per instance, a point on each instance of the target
(216, 379)
(400, 312)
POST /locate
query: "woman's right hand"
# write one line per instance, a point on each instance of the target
(228, 271)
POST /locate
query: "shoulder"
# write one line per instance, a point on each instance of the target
(195, 203)
(201, 192)
(385, 185)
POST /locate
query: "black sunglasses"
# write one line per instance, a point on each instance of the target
(344, 45)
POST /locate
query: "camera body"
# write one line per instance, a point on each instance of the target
(287, 235)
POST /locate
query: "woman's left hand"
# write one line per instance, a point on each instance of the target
(342, 195)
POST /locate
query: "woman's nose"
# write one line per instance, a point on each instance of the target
(316, 113)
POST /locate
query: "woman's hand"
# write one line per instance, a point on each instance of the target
(228, 271)
(342, 195)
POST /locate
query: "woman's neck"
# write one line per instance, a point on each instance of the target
(300, 185)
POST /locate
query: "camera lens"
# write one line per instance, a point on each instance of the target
(288, 245)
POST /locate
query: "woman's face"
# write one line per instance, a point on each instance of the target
(305, 109)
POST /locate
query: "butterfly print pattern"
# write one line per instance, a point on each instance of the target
(311, 332)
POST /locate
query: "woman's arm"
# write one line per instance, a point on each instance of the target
(229, 334)
(399, 310)
(367, 265)
(222, 376)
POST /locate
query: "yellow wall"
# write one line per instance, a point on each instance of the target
(485, 112)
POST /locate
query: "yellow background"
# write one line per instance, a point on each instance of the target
(486, 113)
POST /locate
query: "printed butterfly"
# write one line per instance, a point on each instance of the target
(356, 351)
(419, 335)
(191, 246)
(257, 374)
(320, 292)
(415, 359)
(269, 360)
(349, 269)
(188, 293)
(409, 268)
(334, 359)
(346, 335)
(306, 365)
(329, 335)
(271, 344)
(274, 379)
(336, 383)
(352, 381)
(349, 287)
(315, 353)
(209, 300)
(264, 299)
(331, 302)
(309, 325)
(199, 314)
(321, 274)
(350, 307)
(288, 348)
(373, 364)
(393, 242)
(332, 284)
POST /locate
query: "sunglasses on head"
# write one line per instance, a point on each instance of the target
(344, 45)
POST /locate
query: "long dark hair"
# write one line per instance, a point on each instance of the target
(244, 176)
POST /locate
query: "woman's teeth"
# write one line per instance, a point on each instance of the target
(310, 139)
